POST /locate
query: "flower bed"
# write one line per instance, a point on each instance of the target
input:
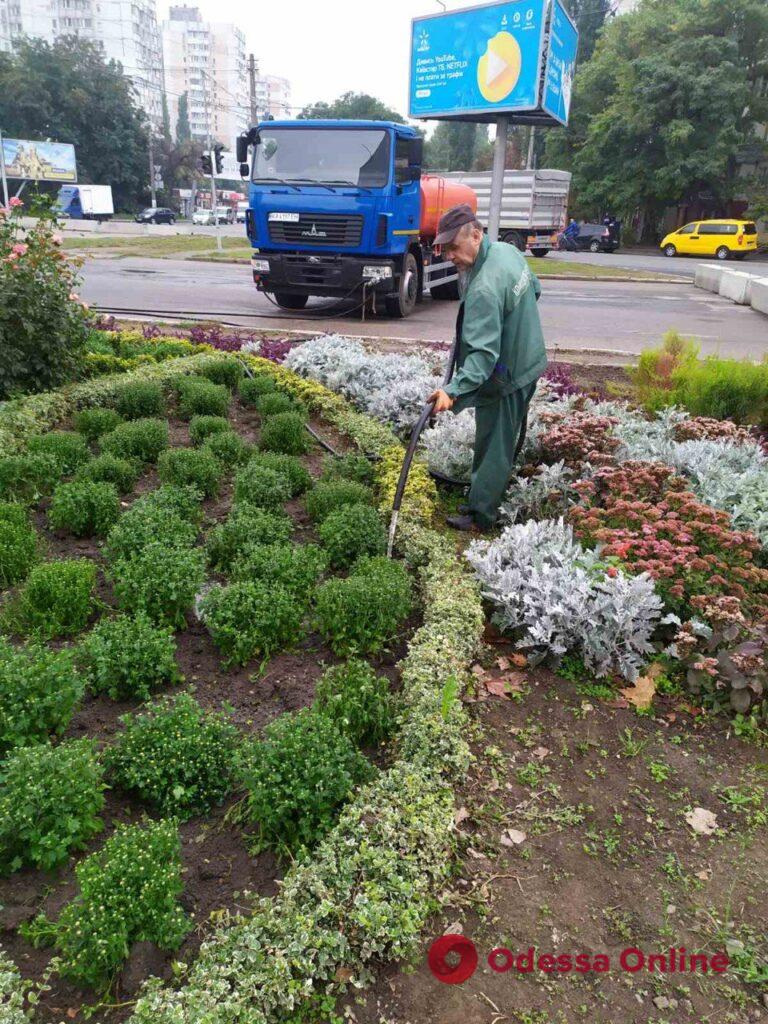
(393, 838)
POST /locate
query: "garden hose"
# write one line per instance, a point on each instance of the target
(421, 422)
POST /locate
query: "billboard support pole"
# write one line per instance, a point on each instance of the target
(2, 172)
(497, 178)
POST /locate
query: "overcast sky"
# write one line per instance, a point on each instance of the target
(327, 47)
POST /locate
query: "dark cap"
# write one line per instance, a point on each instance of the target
(452, 222)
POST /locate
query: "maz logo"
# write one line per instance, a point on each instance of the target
(314, 233)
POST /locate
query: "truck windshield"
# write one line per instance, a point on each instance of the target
(356, 156)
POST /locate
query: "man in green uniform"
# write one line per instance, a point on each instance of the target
(499, 360)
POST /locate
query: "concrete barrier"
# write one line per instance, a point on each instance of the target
(759, 294)
(736, 285)
(708, 277)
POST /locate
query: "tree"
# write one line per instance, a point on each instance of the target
(68, 92)
(166, 119)
(590, 16)
(454, 145)
(663, 108)
(183, 130)
(352, 106)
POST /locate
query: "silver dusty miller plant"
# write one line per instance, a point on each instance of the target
(554, 596)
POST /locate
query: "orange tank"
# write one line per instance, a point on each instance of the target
(438, 195)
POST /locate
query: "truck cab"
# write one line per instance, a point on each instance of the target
(335, 210)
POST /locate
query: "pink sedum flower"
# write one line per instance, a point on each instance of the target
(15, 202)
(20, 248)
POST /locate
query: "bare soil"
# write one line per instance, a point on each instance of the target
(600, 859)
(219, 870)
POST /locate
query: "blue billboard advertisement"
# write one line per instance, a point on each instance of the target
(561, 64)
(480, 60)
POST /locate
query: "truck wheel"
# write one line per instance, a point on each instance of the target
(516, 239)
(403, 304)
(540, 253)
(449, 292)
(289, 300)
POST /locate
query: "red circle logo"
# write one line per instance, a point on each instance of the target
(461, 947)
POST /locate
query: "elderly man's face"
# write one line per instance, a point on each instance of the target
(463, 250)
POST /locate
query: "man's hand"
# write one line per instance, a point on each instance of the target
(443, 401)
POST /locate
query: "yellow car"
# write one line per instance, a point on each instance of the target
(724, 239)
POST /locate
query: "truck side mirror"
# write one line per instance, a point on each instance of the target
(415, 156)
(241, 148)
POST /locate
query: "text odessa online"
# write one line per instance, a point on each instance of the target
(632, 960)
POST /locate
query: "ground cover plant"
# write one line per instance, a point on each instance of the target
(56, 600)
(128, 656)
(185, 467)
(86, 508)
(19, 545)
(111, 469)
(142, 439)
(140, 399)
(40, 689)
(200, 397)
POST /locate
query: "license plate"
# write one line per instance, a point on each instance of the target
(291, 217)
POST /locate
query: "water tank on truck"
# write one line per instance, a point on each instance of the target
(438, 195)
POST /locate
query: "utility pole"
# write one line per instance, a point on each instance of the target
(2, 173)
(252, 69)
(531, 142)
(152, 169)
(216, 224)
(497, 176)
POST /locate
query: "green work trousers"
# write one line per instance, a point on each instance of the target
(498, 427)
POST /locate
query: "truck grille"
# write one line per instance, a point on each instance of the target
(318, 229)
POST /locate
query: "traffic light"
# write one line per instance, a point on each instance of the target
(205, 163)
(219, 158)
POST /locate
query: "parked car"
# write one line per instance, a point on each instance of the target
(592, 238)
(156, 215)
(240, 212)
(724, 239)
(222, 215)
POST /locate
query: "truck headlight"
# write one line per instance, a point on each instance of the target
(377, 272)
(259, 266)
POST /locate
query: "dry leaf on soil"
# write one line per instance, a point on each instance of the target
(644, 690)
(512, 837)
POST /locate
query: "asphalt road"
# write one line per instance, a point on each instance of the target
(656, 263)
(577, 315)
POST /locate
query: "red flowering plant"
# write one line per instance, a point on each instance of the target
(725, 655)
(44, 324)
(703, 428)
(577, 437)
(643, 516)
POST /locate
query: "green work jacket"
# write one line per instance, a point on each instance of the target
(501, 344)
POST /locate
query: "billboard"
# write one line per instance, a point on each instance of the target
(561, 64)
(39, 161)
(480, 60)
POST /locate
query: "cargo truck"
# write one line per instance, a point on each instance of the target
(86, 202)
(341, 209)
(534, 205)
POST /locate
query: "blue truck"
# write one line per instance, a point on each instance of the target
(341, 209)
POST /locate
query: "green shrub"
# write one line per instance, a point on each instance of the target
(229, 448)
(14, 513)
(27, 477)
(142, 440)
(285, 433)
(128, 893)
(264, 488)
(652, 377)
(357, 700)
(39, 689)
(128, 657)
(725, 389)
(328, 496)
(92, 423)
(252, 388)
(191, 467)
(297, 778)
(110, 469)
(56, 600)
(228, 372)
(182, 501)
(84, 507)
(297, 567)
(273, 403)
(288, 466)
(138, 399)
(202, 427)
(175, 756)
(200, 397)
(245, 527)
(50, 800)
(18, 546)
(68, 449)
(362, 613)
(251, 619)
(147, 523)
(348, 467)
(352, 531)
(160, 581)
